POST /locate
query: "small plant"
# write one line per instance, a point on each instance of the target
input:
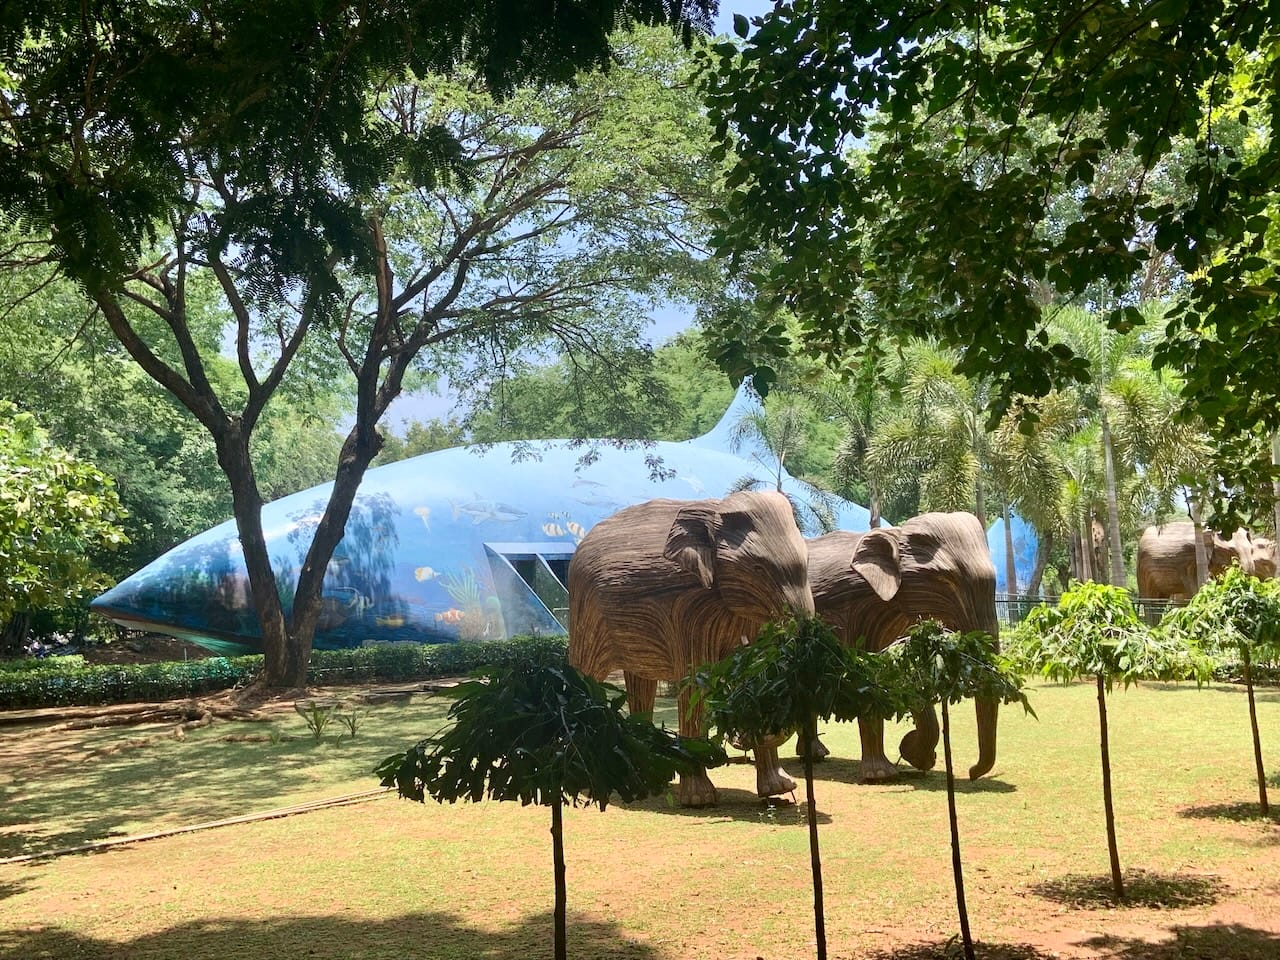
(1237, 614)
(940, 665)
(793, 674)
(317, 714)
(538, 731)
(1095, 631)
(349, 719)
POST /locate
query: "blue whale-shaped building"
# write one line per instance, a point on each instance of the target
(468, 543)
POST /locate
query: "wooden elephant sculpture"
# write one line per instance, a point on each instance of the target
(1167, 558)
(872, 586)
(667, 585)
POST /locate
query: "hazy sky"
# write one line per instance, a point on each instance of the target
(665, 321)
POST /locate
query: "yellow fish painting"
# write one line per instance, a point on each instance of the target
(389, 621)
(553, 530)
(574, 527)
(422, 574)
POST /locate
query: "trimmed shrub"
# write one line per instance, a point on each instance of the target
(53, 683)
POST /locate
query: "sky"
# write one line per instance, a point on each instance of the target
(665, 321)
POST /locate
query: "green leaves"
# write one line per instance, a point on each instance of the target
(935, 664)
(538, 730)
(964, 169)
(1235, 613)
(55, 513)
(795, 672)
(1095, 631)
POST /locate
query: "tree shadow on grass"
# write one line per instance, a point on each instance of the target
(9, 888)
(437, 935)
(951, 950)
(121, 781)
(740, 805)
(841, 770)
(936, 780)
(1141, 888)
(1219, 941)
(1241, 812)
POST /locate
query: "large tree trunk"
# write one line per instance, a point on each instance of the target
(1086, 549)
(1275, 493)
(1010, 567)
(358, 451)
(1043, 549)
(1116, 548)
(233, 456)
(1197, 527)
(13, 635)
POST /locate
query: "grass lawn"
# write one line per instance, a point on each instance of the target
(392, 879)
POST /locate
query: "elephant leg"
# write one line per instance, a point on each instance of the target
(696, 788)
(920, 746)
(875, 765)
(820, 751)
(771, 779)
(641, 692)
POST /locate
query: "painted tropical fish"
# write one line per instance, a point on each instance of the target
(452, 615)
(423, 574)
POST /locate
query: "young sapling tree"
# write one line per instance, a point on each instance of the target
(538, 731)
(1094, 631)
(795, 673)
(1235, 613)
(935, 664)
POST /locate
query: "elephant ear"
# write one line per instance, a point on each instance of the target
(692, 543)
(877, 560)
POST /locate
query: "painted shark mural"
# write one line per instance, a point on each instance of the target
(469, 543)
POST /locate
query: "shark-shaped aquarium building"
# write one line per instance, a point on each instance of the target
(468, 543)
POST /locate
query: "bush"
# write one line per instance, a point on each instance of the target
(52, 682)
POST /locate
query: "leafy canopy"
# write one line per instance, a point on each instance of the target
(936, 664)
(965, 168)
(1093, 631)
(538, 731)
(1235, 612)
(55, 513)
(796, 671)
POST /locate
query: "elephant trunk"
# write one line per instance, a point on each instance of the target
(920, 746)
(987, 710)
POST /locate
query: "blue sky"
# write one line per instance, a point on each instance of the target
(665, 321)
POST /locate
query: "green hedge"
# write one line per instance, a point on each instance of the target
(49, 683)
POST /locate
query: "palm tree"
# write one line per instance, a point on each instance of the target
(1026, 464)
(1118, 389)
(858, 408)
(937, 437)
(774, 435)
